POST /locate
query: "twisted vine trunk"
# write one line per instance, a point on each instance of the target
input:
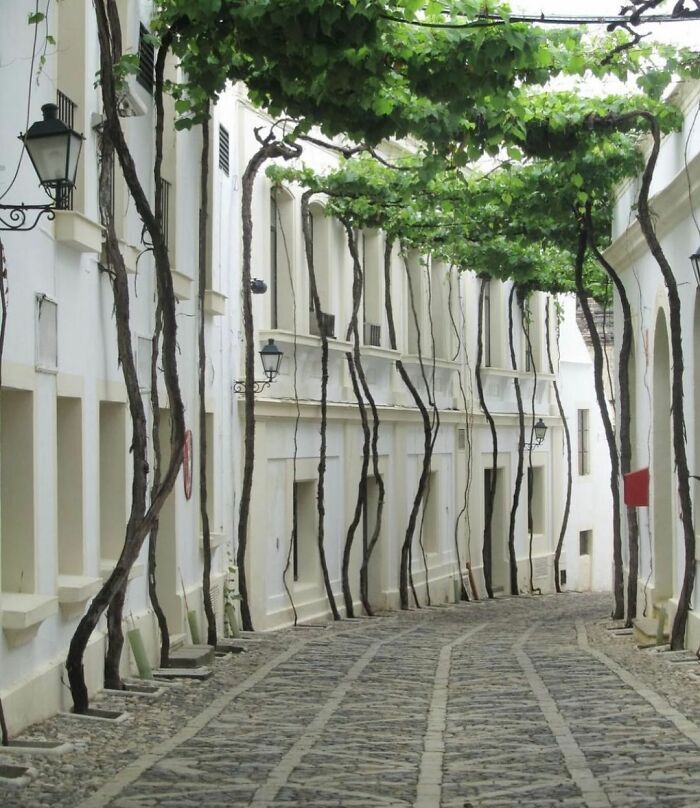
(491, 493)
(520, 470)
(307, 228)
(201, 381)
(677, 415)
(370, 545)
(433, 426)
(354, 361)
(140, 520)
(625, 421)
(598, 369)
(269, 149)
(463, 593)
(531, 476)
(405, 562)
(567, 443)
(161, 619)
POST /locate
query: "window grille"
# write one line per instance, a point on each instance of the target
(66, 114)
(583, 443)
(224, 149)
(147, 61)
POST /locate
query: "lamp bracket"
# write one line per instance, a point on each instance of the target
(24, 217)
(239, 385)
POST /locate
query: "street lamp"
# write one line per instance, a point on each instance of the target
(540, 430)
(695, 261)
(271, 358)
(54, 150)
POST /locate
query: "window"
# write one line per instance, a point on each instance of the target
(585, 542)
(486, 324)
(527, 321)
(304, 532)
(17, 491)
(273, 260)
(147, 60)
(224, 149)
(535, 501)
(165, 188)
(461, 438)
(69, 485)
(431, 511)
(583, 443)
(372, 287)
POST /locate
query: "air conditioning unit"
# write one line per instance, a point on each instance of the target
(129, 105)
(327, 325)
(373, 334)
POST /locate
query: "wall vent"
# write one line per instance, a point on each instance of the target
(46, 333)
(224, 150)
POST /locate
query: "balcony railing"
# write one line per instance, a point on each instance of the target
(66, 114)
(327, 325)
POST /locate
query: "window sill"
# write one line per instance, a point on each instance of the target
(77, 588)
(215, 540)
(108, 564)
(214, 303)
(20, 612)
(130, 254)
(76, 231)
(182, 285)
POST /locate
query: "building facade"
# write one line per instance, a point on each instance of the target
(65, 426)
(675, 195)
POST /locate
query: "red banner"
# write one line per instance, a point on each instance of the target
(637, 488)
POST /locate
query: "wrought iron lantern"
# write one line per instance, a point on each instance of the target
(695, 261)
(54, 150)
(540, 431)
(271, 358)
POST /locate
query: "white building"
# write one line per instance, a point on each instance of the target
(675, 195)
(64, 451)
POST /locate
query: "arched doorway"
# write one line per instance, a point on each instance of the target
(662, 475)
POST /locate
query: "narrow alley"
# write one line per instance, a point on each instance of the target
(528, 701)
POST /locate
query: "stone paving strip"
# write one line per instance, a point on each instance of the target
(510, 703)
(278, 777)
(429, 789)
(138, 767)
(576, 762)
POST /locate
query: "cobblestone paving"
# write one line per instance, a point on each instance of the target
(516, 702)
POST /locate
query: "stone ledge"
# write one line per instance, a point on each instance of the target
(20, 611)
(77, 231)
(77, 588)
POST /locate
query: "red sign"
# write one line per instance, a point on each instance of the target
(637, 488)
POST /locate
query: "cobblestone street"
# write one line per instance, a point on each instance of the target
(526, 701)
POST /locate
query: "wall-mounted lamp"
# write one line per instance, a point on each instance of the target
(54, 150)
(258, 286)
(271, 358)
(540, 430)
(695, 261)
